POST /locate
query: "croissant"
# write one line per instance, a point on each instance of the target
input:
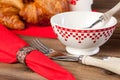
(16, 3)
(10, 18)
(13, 12)
(40, 11)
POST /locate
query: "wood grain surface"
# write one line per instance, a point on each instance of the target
(104, 4)
(81, 72)
(19, 71)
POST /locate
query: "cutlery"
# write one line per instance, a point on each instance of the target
(107, 15)
(35, 42)
(109, 63)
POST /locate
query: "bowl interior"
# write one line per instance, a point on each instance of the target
(79, 20)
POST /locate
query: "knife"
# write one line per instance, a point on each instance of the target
(109, 63)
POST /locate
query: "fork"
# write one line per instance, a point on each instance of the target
(104, 63)
(107, 15)
(36, 43)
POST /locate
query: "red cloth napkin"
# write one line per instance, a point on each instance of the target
(35, 60)
(38, 31)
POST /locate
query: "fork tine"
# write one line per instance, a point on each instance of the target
(35, 42)
(40, 46)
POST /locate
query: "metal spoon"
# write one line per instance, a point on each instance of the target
(107, 15)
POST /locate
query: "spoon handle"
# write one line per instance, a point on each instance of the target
(107, 15)
(114, 10)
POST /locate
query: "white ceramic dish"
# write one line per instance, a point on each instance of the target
(79, 41)
(80, 5)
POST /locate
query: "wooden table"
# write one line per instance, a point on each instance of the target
(81, 72)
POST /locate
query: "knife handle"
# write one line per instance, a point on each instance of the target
(110, 63)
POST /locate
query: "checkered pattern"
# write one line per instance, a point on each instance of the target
(80, 35)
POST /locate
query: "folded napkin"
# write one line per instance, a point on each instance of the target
(10, 45)
(37, 31)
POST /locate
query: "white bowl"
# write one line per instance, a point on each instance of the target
(68, 26)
